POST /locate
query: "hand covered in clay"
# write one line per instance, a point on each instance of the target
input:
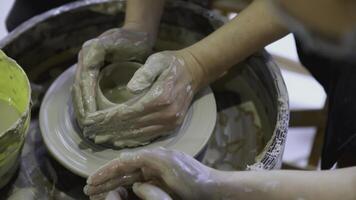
(114, 45)
(167, 84)
(144, 191)
(167, 171)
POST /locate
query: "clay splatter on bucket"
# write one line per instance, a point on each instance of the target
(8, 115)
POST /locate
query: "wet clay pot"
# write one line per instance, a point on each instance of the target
(111, 88)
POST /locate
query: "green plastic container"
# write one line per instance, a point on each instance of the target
(15, 98)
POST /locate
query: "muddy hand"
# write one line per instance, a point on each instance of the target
(169, 87)
(144, 191)
(148, 191)
(112, 46)
(171, 80)
(179, 174)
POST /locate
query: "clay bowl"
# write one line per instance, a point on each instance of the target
(111, 88)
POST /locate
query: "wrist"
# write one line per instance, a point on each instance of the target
(210, 189)
(194, 68)
(233, 185)
(141, 27)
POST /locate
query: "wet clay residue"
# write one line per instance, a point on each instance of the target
(8, 115)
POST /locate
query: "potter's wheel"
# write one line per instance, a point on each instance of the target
(63, 139)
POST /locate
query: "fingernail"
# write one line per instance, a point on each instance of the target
(132, 87)
(85, 189)
(136, 185)
(89, 180)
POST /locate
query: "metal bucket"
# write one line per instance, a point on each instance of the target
(48, 44)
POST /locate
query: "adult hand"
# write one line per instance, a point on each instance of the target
(144, 191)
(147, 191)
(176, 173)
(114, 45)
(168, 81)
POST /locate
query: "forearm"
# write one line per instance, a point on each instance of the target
(307, 185)
(251, 30)
(144, 15)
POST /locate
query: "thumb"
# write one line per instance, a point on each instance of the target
(148, 191)
(118, 194)
(146, 75)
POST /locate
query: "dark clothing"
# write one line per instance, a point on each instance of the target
(25, 9)
(338, 77)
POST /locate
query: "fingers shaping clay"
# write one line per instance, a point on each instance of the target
(114, 101)
(111, 88)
